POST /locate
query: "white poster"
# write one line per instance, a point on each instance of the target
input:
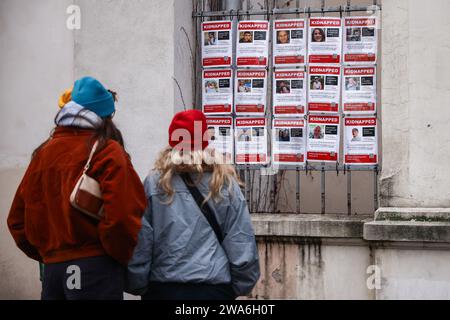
(289, 43)
(252, 44)
(250, 92)
(221, 137)
(289, 92)
(288, 141)
(251, 141)
(325, 40)
(360, 141)
(324, 89)
(323, 138)
(359, 90)
(360, 40)
(217, 44)
(217, 92)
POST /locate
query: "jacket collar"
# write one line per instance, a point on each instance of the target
(72, 131)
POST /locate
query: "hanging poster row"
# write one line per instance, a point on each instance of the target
(294, 141)
(318, 40)
(295, 92)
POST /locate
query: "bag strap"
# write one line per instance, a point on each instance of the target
(88, 163)
(204, 206)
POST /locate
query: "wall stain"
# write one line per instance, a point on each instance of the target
(306, 270)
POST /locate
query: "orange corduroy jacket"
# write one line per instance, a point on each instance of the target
(47, 228)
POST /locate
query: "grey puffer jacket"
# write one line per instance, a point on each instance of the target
(177, 244)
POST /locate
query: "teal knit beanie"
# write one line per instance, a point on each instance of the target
(90, 94)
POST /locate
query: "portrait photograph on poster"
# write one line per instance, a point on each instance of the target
(360, 45)
(324, 92)
(217, 44)
(250, 92)
(251, 141)
(289, 45)
(325, 40)
(221, 137)
(323, 138)
(359, 90)
(288, 141)
(289, 92)
(252, 48)
(217, 93)
(360, 141)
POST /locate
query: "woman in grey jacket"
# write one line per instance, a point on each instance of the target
(179, 255)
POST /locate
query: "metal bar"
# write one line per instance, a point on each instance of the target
(375, 188)
(349, 4)
(313, 167)
(297, 194)
(247, 187)
(349, 193)
(260, 190)
(335, 9)
(272, 193)
(252, 191)
(322, 188)
(233, 6)
(248, 10)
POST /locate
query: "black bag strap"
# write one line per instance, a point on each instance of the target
(204, 206)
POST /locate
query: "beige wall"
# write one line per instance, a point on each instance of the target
(36, 65)
(133, 47)
(415, 94)
(307, 269)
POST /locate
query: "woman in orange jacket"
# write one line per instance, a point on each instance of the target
(84, 258)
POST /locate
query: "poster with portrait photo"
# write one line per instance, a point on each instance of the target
(221, 137)
(251, 141)
(288, 141)
(217, 91)
(250, 92)
(323, 138)
(360, 40)
(325, 40)
(289, 93)
(289, 43)
(360, 141)
(217, 44)
(359, 90)
(324, 89)
(252, 44)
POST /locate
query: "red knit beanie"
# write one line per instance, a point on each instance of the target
(187, 130)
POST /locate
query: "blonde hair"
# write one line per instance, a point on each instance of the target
(172, 161)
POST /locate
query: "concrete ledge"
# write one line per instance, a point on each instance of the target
(407, 231)
(413, 214)
(309, 225)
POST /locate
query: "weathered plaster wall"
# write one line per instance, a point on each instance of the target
(415, 93)
(129, 45)
(413, 274)
(36, 65)
(308, 269)
(134, 47)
